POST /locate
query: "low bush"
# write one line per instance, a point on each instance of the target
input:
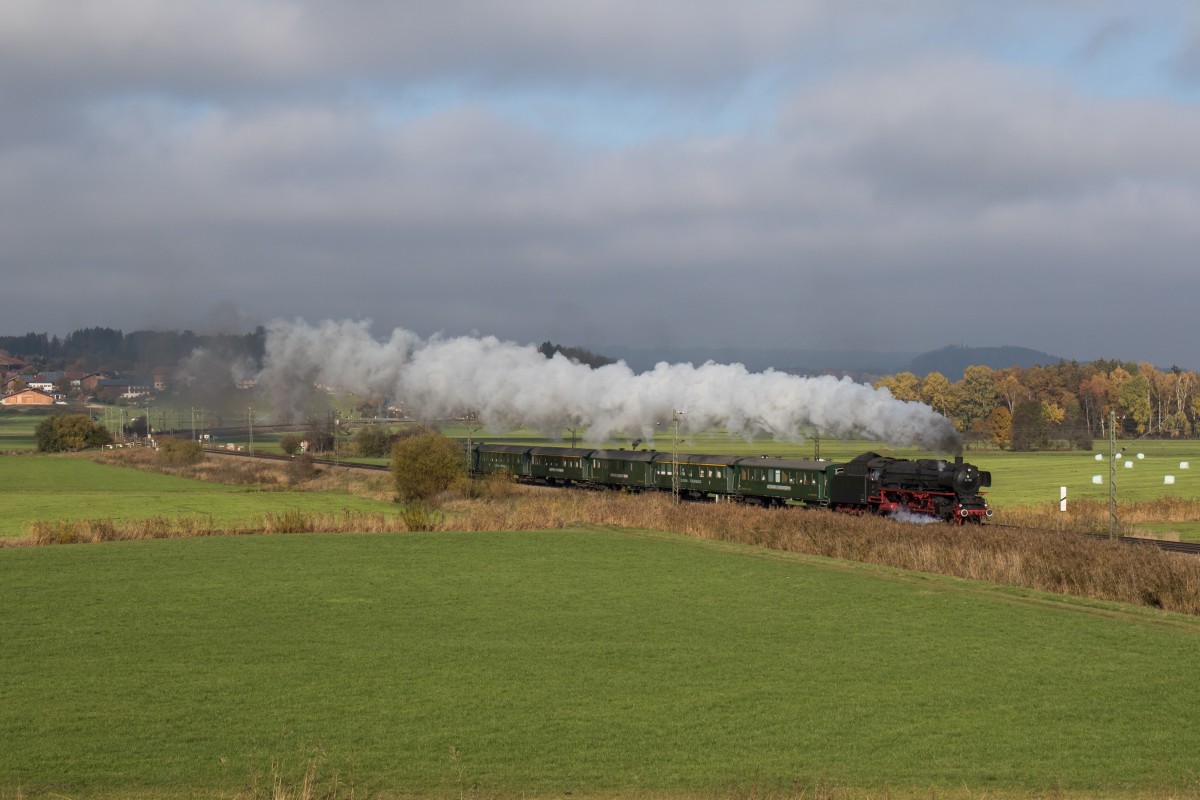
(426, 465)
(301, 469)
(179, 452)
(372, 441)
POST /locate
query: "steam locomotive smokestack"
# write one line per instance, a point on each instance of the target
(509, 385)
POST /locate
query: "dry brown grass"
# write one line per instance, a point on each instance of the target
(1091, 516)
(266, 475)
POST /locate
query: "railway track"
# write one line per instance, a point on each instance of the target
(1190, 548)
(325, 462)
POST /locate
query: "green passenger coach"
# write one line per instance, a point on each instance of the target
(777, 481)
(491, 459)
(632, 470)
(560, 465)
(699, 475)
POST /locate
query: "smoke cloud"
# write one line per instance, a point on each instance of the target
(509, 385)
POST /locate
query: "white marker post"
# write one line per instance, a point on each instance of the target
(1062, 498)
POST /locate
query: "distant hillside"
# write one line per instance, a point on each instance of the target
(951, 361)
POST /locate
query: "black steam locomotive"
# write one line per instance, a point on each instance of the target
(947, 490)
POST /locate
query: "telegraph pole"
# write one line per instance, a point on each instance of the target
(1112, 474)
(472, 427)
(675, 415)
(250, 425)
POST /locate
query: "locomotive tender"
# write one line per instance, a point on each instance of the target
(870, 483)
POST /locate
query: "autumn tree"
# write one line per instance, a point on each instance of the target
(999, 424)
(1134, 399)
(902, 385)
(290, 443)
(426, 465)
(69, 433)
(1094, 399)
(1030, 426)
(976, 394)
(940, 394)
(1010, 389)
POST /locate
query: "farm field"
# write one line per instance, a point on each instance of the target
(52, 488)
(16, 432)
(595, 663)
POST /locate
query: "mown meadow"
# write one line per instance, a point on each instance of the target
(589, 663)
(16, 431)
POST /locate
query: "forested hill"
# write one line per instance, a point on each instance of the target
(111, 349)
(951, 361)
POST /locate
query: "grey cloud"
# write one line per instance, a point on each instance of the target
(237, 46)
(898, 203)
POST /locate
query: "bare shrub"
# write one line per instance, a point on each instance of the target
(421, 517)
(301, 469)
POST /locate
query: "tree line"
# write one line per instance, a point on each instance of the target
(1067, 404)
(110, 349)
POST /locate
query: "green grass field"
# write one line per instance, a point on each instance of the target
(51, 488)
(1031, 478)
(589, 663)
(16, 431)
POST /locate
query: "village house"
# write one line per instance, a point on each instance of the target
(93, 379)
(28, 397)
(11, 364)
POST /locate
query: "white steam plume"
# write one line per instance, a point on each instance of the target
(511, 385)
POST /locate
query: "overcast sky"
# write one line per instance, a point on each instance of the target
(814, 173)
